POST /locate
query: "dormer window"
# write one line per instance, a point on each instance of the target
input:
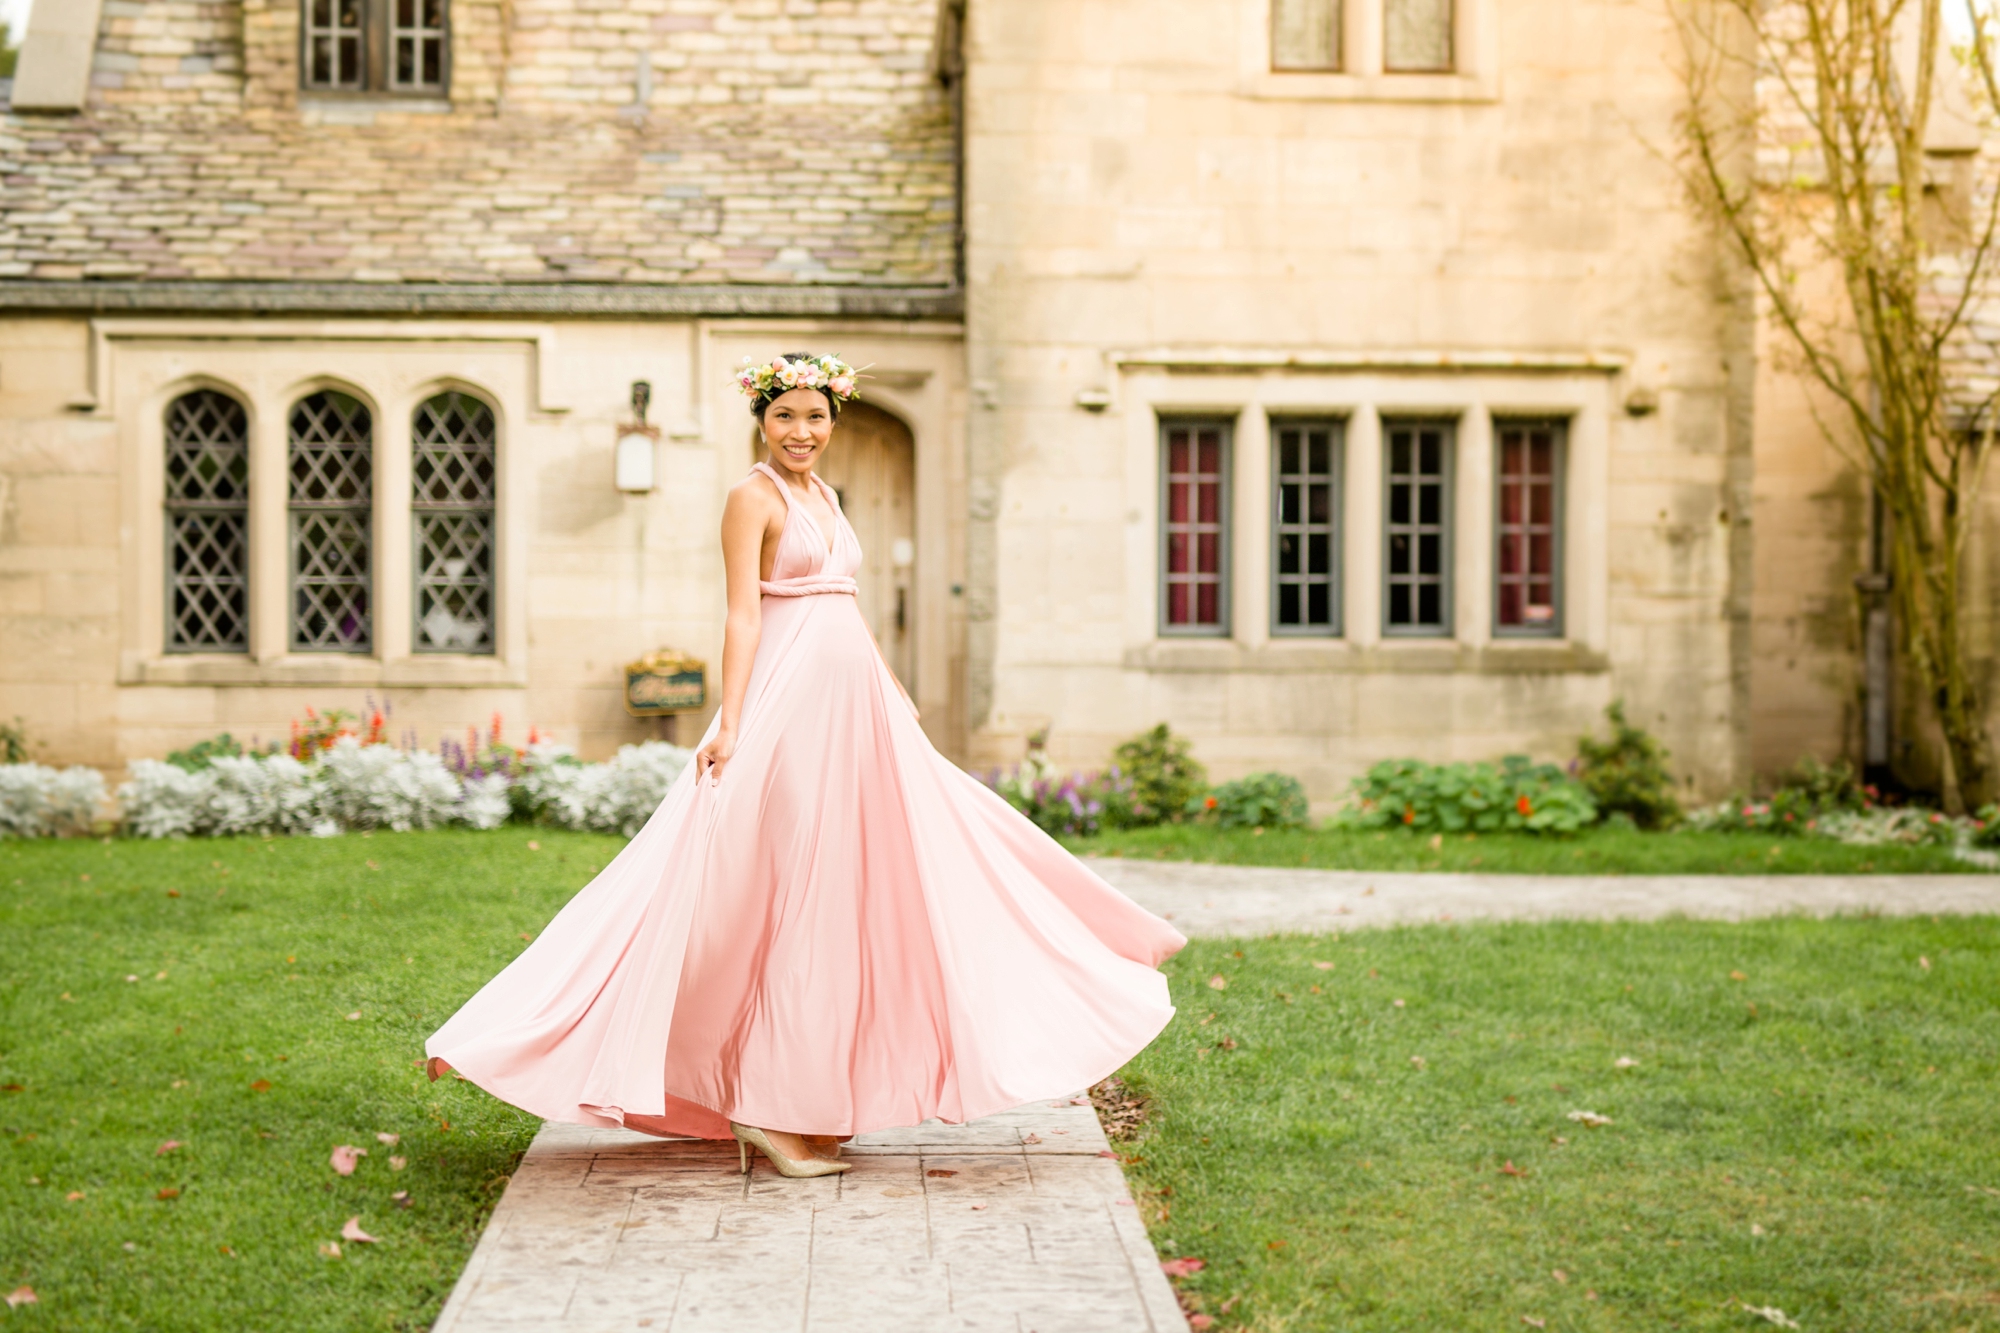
(373, 46)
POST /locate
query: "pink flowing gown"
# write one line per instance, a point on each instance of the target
(846, 933)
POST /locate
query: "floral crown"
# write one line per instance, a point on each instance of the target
(781, 373)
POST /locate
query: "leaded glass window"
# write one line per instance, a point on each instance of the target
(1527, 565)
(331, 462)
(1195, 536)
(1305, 527)
(1305, 34)
(452, 450)
(208, 524)
(1416, 36)
(1417, 527)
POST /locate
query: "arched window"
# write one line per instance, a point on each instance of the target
(331, 461)
(208, 524)
(451, 510)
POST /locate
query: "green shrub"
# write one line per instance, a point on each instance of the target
(13, 742)
(1157, 775)
(202, 753)
(1262, 800)
(1627, 775)
(1812, 788)
(1514, 796)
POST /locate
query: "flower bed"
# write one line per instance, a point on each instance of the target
(346, 785)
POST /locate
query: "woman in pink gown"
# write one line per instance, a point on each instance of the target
(826, 928)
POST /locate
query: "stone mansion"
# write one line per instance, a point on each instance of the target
(1331, 379)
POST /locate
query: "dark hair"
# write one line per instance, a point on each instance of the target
(762, 401)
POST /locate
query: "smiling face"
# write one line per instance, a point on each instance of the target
(797, 426)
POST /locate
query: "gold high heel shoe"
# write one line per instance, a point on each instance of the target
(823, 1146)
(749, 1136)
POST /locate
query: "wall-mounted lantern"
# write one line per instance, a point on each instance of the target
(633, 468)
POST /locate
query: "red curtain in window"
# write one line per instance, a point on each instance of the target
(1194, 525)
(1527, 555)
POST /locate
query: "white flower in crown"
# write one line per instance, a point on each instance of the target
(781, 373)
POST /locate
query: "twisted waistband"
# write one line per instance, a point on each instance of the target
(808, 585)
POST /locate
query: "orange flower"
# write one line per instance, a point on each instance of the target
(1521, 804)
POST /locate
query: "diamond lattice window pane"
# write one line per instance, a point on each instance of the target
(453, 485)
(208, 588)
(331, 465)
(207, 520)
(455, 583)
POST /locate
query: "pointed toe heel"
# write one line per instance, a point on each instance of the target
(749, 1136)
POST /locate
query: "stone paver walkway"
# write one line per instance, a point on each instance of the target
(1018, 1223)
(1254, 900)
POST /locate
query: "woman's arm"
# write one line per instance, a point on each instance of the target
(744, 520)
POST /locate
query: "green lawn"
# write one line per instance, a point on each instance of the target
(1290, 1116)
(266, 952)
(1596, 852)
(1811, 1125)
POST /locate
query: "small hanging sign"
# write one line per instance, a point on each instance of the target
(664, 682)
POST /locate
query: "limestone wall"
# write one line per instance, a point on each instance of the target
(589, 578)
(1157, 220)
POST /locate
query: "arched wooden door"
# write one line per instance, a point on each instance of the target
(872, 464)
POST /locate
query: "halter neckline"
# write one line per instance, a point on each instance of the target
(792, 502)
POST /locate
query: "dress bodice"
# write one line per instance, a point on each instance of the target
(807, 561)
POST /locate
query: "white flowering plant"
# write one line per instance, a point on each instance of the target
(37, 801)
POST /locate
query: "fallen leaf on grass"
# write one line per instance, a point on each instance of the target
(1511, 1170)
(1397, 1003)
(11, 1087)
(352, 1231)
(1218, 982)
(1756, 1230)
(401, 1198)
(1589, 1119)
(1200, 1322)
(1417, 1061)
(354, 1017)
(526, 936)
(331, 1249)
(74, 1196)
(1771, 1314)
(1560, 1276)
(166, 1147)
(225, 1250)
(938, 1173)
(1533, 1322)
(391, 1139)
(346, 1157)
(1624, 1062)
(168, 1193)
(1324, 967)
(398, 1163)
(131, 976)
(534, 846)
(1182, 1267)
(261, 1085)
(1924, 963)
(1738, 976)
(1275, 1244)
(20, 1296)
(173, 893)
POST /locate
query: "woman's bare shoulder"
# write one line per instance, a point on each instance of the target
(755, 494)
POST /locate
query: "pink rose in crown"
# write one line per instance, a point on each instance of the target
(844, 386)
